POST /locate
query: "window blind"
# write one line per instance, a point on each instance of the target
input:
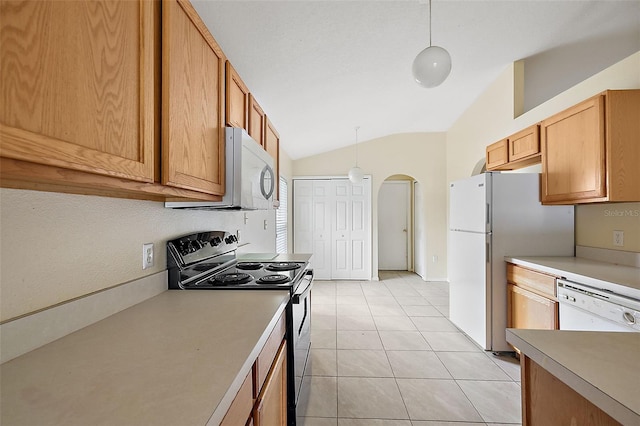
(281, 219)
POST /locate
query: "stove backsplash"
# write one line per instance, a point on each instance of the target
(57, 247)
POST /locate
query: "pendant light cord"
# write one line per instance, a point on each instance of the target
(429, 23)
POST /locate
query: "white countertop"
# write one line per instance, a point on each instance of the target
(603, 367)
(176, 359)
(618, 278)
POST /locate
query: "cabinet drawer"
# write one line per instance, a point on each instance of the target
(537, 282)
(529, 310)
(268, 353)
(242, 404)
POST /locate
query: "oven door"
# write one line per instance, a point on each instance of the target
(301, 334)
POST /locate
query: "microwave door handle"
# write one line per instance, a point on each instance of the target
(263, 177)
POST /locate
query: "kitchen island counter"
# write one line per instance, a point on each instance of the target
(177, 358)
(602, 367)
(620, 279)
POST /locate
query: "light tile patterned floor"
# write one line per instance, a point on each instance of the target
(385, 354)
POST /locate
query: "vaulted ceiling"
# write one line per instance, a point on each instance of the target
(321, 68)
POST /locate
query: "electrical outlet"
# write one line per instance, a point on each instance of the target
(147, 255)
(435, 258)
(618, 238)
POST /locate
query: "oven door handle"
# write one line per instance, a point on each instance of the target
(304, 288)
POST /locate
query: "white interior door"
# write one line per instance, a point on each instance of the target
(322, 229)
(394, 203)
(360, 231)
(341, 231)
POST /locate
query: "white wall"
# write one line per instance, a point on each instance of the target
(419, 155)
(57, 247)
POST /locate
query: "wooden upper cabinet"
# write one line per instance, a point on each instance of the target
(77, 87)
(590, 151)
(518, 150)
(497, 154)
(237, 99)
(525, 144)
(192, 102)
(272, 146)
(256, 121)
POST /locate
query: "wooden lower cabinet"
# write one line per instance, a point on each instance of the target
(531, 299)
(242, 404)
(529, 310)
(271, 406)
(262, 398)
(546, 400)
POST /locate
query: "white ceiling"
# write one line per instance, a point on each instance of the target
(321, 68)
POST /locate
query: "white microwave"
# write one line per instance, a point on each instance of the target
(249, 177)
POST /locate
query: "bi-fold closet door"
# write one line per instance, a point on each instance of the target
(332, 220)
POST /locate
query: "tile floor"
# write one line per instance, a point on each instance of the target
(385, 354)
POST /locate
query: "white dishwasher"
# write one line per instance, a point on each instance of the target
(586, 308)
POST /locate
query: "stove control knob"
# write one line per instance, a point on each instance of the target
(183, 249)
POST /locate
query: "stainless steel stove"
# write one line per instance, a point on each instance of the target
(208, 261)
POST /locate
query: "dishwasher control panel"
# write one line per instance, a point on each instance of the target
(618, 309)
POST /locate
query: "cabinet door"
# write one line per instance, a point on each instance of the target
(237, 99)
(573, 154)
(241, 407)
(497, 155)
(77, 88)
(528, 310)
(256, 121)
(192, 96)
(524, 144)
(271, 405)
(272, 145)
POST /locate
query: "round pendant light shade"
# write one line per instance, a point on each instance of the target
(356, 175)
(432, 66)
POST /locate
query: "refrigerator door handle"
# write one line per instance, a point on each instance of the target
(488, 216)
(488, 254)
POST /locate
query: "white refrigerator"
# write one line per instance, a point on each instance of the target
(493, 215)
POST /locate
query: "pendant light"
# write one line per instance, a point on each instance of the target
(355, 173)
(432, 66)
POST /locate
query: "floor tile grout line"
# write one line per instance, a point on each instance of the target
(378, 331)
